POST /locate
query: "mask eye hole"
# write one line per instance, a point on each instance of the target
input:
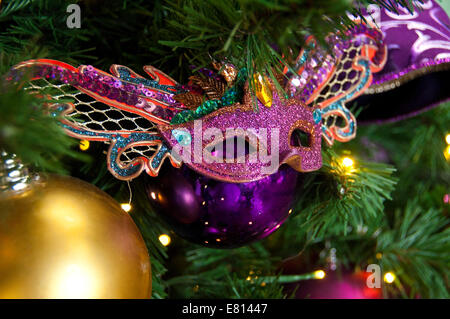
(300, 138)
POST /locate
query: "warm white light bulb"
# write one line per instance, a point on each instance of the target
(447, 138)
(348, 162)
(164, 239)
(389, 277)
(319, 274)
(126, 207)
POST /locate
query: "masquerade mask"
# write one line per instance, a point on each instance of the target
(225, 137)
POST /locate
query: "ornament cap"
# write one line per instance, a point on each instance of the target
(15, 177)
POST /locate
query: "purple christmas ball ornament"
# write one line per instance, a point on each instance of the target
(219, 214)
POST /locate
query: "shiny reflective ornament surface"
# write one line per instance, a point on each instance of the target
(221, 214)
(335, 285)
(65, 238)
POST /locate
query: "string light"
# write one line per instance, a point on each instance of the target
(347, 162)
(319, 274)
(447, 138)
(84, 145)
(389, 278)
(126, 207)
(164, 239)
(447, 153)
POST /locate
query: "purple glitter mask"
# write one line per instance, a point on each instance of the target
(328, 83)
(137, 116)
(338, 79)
(240, 124)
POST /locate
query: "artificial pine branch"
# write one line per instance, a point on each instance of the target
(208, 274)
(12, 6)
(336, 199)
(111, 34)
(416, 248)
(29, 132)
(415, 146)
(258, 35)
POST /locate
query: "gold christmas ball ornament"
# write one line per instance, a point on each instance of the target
(61, 237)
